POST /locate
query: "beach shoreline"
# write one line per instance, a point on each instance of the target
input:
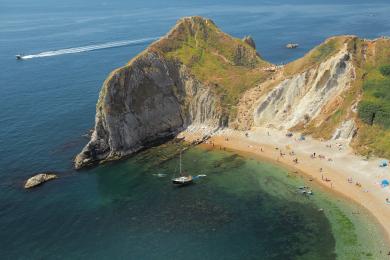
(329, 164)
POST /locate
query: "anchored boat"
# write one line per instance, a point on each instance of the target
(182, 179)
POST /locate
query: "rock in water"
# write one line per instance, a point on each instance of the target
(39, 179)
(249, 40)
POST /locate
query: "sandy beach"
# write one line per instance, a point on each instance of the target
(332, 164)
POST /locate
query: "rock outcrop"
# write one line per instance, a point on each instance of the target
(39, 179)
(249, 40)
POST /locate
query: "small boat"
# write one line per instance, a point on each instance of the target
(19, 57)
(292, 45)
(182, 179)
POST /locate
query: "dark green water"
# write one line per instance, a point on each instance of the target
(243, 209)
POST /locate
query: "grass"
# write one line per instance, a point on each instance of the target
(316, 56)
(228, 65)
(372, 140)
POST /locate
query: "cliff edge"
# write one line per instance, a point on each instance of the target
(178, 81)
(201, 78)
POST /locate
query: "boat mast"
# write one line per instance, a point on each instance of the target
(180, 162)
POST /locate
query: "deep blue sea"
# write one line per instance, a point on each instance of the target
(244, 209)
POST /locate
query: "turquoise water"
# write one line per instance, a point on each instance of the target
(243, 209)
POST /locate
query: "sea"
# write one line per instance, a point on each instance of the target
(244, 209)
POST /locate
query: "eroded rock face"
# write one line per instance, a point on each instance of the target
(346, 131)
(149, 99)
(39, 179)
(299, 99)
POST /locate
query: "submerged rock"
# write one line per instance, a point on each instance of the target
(39, 179)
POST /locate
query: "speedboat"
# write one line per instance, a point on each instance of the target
(292, 45)
(19, 57)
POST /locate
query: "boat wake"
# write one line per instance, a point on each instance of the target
(87, 48)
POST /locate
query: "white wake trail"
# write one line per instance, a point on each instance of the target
(88, 48)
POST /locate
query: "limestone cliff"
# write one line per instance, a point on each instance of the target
(199, 77)
(302, 97)
(147, 100)
(156, 95)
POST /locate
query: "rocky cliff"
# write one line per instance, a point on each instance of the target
(302, 97)
(149, 99)
(156, 95)
(198, 76)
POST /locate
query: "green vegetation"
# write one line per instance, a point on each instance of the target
(385, 70)
(316, 56)
(374, 107)
(230, 66)
(373, 140)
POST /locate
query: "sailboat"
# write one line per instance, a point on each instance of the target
(182, 179)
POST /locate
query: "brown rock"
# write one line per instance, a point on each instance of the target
(39, 179)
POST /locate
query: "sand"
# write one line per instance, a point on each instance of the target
(334, 163)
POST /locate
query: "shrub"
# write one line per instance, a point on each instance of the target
(374, 113)
(367, 111)
(382, 118)
(385, 70)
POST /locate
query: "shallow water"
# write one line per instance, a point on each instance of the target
(243, 209)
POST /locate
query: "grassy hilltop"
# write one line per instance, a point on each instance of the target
(229, 65)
